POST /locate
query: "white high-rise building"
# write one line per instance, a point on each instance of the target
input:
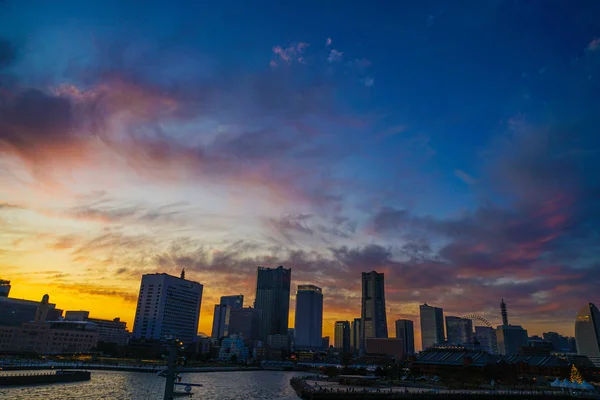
(168, 306)
(587, 333)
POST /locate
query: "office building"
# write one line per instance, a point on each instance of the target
(235, 301)
(355, 338)
(109, 331)
(459, 331)
(168, 306)
(373, 314)
(405, 330)
(245, 322)
(342, 336)
(587, 333)
(388, 347)
(221, 317)
(273, 299)
(15, 312)
(44, 336)
(432, 326)
(325, 342)
(559, 342)
(510, 337)
(308, 321)
(486, 337)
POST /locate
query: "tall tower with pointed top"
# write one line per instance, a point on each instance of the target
(504, 313)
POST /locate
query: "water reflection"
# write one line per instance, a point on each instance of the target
(141, 386)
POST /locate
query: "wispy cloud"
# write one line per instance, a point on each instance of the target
(335, 56)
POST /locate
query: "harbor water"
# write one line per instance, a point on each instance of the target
(141, 386)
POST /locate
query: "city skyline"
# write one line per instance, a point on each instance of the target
(452, 149)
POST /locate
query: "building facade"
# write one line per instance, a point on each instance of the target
(587, 333)
(273, 299)
(308, 321)
(510, 338)
(432, 326)
(221, 318)
(15, 312)
(389, 347)
(373, 313)
(235, 301)
(109, 331)
(342, 336)
(355, 332)
(168, 306)
(405, 330)
(459, 331)
(486, 337)
(245, 322)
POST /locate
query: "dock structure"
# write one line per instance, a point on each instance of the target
(317, 392)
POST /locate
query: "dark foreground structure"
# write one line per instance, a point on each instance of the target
(41, 378)
(306, 391)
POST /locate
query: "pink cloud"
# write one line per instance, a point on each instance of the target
(335, 56)
(594, 45)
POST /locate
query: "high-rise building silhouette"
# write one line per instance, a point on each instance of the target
(510, 337)
(587, 333)
(432, 326)
(355, 333)
(459, 331)
(222, 314)
(220, 327)
(273, 299)
(245, 322)
(167, 306)
(486, 336)
(373, 314)
(235, 301)
(308, 322)
(342, 336)
(405, 330)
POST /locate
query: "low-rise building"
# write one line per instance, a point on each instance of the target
(109, 331)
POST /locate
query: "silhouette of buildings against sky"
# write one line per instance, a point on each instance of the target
(342, 336)
(308, 320)
(587, 333)
(432, 326)
(510, 337)
(222, 314)
(168, 306)
(373, 312)
(273, 299)
(405, 330)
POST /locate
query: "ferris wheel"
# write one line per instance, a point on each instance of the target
(480, 321)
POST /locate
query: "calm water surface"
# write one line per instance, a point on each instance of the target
(138, 385)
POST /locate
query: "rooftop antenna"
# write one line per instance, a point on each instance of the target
(504, 313)
(183, 273)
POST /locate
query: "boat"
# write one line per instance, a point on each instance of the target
(60, 376)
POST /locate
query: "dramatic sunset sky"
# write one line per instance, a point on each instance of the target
(453, 145)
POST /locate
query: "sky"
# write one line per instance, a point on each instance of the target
(453, 146)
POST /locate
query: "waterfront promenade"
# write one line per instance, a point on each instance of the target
(314, 389)
(37, 365)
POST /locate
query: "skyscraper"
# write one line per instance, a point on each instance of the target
(486, 336)
(245, 322)
(405, 330)
(432, 326)
(273, 299)
(167, 306)
(373, 315)
(355, 332)
(221, 317)
(235, 301)
(459, 331)
(342, 336)
(308, 323)
(509, 337)
(222, 314)
(587, 333)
